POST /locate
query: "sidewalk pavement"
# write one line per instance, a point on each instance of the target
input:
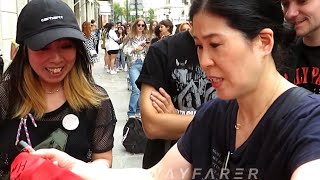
(117, 88)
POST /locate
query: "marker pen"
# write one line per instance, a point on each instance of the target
(24, 147)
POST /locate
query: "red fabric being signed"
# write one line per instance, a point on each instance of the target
(29, 167)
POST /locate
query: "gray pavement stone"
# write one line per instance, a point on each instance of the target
(116, 86)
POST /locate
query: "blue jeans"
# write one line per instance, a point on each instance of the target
(134, 72)
(121, 59)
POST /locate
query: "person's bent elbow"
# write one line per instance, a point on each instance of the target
(150, 129)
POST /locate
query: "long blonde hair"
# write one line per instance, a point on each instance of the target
(151, 30)
(134, 33)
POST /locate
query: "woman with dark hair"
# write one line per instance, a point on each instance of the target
(121, 61)
(166, 28)
(112, 47)
(48, 95)
(261, 126)
(152, 27)
(157, 34)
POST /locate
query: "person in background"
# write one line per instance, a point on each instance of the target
(13, 49)
(166, 28)
(304, 66)
(103, 46)
(48, 89)
(157, 34)
(96, 32)
(152, 27)
(1, 64)
(112, 47)
(171, 75)
(120, 60)
(136, 49)
(119, 24)
(238, 135)
(185, 26)
(90, 42)
(128, 28)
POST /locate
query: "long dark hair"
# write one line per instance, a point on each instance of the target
(108, 26)
(250, 17)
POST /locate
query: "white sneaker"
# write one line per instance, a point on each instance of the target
(113, 72)
(107, 69)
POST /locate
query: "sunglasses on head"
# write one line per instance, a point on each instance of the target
(140, 25)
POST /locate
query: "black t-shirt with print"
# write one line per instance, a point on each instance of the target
(274, 150)
(172, 63)
(305, 67)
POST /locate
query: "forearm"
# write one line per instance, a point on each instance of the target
(103, 162)
(103, 158)
(101, 172)
(166, 126)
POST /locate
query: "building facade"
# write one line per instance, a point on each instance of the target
(175, 10)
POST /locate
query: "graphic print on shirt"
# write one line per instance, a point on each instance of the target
(307, 77)
(192, 86)
(304, 67)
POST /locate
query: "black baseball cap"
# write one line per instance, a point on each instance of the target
(44, 21)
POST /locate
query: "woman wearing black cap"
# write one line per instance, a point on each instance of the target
(48, 90)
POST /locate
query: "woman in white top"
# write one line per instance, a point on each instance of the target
(112, 46)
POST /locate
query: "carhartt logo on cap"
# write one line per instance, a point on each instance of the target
(54, 20)
(51, 18)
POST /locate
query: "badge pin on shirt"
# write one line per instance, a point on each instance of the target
(70, 122)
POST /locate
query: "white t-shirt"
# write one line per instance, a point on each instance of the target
(111, 39)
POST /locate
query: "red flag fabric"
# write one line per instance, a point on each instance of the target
(30, 167)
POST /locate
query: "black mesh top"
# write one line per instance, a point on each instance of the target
(93, 135)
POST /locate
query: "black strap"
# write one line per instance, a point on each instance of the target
(113, 39)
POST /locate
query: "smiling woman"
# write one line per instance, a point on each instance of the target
(48, 89)
(260, 127)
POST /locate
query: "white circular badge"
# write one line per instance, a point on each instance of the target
(70, 122)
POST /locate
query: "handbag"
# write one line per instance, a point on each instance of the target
(134, 139)
(93, 53)
(103, 46)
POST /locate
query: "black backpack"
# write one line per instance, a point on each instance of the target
(134, 138)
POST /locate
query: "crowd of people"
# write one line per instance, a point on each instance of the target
(232, 95)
